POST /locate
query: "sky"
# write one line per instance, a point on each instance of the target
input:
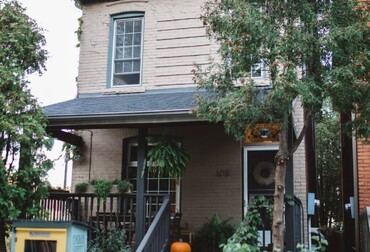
(58, 18)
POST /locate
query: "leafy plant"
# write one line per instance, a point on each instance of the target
(23, 139)
(320, 245)
(311, 52)
(71, 152)
(81, 187)
(327, 132)
(102, 188)
(212, 234)
(109, 241)
(124, 185)
(245, 237)
(167, 156)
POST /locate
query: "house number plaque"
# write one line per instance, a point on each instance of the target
(222, 173)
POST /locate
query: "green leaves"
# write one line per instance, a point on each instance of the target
(309, 49)
(23, 164)
(167, 156)
(245, 237)
(102, 188)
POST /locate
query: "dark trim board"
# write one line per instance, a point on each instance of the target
(67, 137)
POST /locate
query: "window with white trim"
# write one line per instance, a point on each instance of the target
(154, 183)
(258, 70)
(126, 50)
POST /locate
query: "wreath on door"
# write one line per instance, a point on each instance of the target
(264, 173)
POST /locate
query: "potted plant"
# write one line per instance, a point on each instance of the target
(167, 156)
(124, 186)
(81, 187)
(101, 188)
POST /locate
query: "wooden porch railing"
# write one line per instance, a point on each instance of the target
(117, 211)
(157, 237)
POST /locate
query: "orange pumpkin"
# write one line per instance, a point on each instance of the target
(180, 247)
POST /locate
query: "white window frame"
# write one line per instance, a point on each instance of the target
(114, 48)
(263, 69)
(131, 164)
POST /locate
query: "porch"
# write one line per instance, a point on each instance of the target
(149, 231)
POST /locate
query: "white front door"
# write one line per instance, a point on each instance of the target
(259, 173)
(259, 167)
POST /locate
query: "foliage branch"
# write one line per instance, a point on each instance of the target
(310, 52)
(327, 133)
(166, 156)
(246, 235)
(23, 164)
(213, 233)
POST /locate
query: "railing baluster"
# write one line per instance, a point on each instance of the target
(116, 212)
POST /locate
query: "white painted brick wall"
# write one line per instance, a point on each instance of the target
(169, 30)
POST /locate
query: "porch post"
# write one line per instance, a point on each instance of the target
(140, 185)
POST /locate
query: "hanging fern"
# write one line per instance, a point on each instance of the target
(167, 157)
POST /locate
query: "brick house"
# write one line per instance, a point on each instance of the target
(356, 193)
(363, 174)
(135, 80)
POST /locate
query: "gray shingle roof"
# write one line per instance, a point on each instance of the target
(159, 102)
(127, 103)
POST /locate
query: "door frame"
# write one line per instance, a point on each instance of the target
(246, 149)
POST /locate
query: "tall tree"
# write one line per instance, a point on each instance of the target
(22, 122)
(328, 165)
(311, 49)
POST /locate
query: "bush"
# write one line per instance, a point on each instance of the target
(124, 185)
(212, 234)
(102, 188)
(245, 237)
(81, 187)
(109, 241)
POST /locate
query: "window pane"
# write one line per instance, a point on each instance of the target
(129, 26)
(118, 67)
(128, 39)
(257, 70)
(119, 40)
(127, 67)
(132, 172)
(137, 52)
(128, 52)
(163, 184)
(131, 79)
(40, 246)
(120, 27)
(119, 53)
(152, 185)
(137, 26)
(136, 66)
(137, 38)
(133, 153)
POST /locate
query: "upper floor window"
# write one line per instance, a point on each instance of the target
(126, 50)
(258, 70)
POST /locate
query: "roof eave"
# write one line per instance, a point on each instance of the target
(121, 119)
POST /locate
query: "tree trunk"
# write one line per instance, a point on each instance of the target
(2, 235)
(281, 159)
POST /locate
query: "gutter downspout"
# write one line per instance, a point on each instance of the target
(355, 190)
(90, 152)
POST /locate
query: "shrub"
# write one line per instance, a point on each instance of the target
(109, 241)
(212, 234)
(81, 187)
(102, 188)
(124, 185)
(245, 237)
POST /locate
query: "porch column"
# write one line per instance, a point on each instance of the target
(140, 185)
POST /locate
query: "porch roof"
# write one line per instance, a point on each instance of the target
(98, 110)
